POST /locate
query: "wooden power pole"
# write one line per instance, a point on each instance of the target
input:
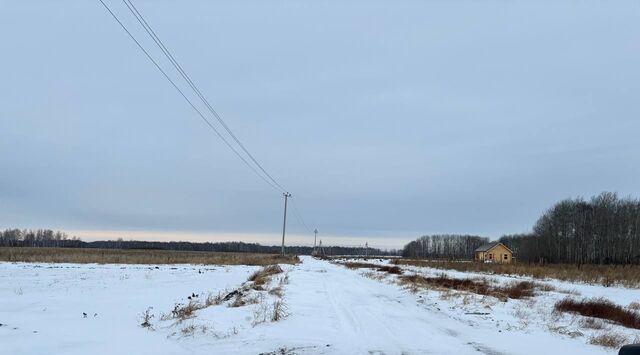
(315, 237)
(284, 222)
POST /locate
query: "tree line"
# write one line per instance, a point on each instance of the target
(37, 238)
(49, 238)
(446, 246)
(602, 230)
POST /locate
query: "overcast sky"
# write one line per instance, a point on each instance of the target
(386, 120)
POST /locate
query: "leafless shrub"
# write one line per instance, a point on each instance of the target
(279, 311)
(600, 308)
(260, 314)
(146, 319)
(609, 340)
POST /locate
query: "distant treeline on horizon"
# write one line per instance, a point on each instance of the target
(603, 230)
(47, 238)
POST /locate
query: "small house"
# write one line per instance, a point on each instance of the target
(494, 252)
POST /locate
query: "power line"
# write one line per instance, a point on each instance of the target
(299, 216)
(209, 124)
(143, 22)
(265, 176)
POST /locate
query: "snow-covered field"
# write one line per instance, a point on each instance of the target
(331, 310)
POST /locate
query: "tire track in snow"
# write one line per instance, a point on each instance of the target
(374, 320)
(357, 321)
(379, 322)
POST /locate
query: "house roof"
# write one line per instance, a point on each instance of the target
(489, 246)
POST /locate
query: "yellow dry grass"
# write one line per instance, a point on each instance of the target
(116, 256)
(607, 275)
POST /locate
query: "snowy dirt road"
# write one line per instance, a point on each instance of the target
(331, 310)
(347, 313)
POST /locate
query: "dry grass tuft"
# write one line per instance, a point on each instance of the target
(184, 312)
(214, 300)
(262, 276)
(188, 330)
(545, 287)
(517, 290)
(634, 306)
(117, 256)
(374, 275)
(609, 340)
(600, 308)
(191, 330)
(592, 323)
(391, 270)
(358, 265)
(284, 280)
(573, 333)
(277, 291)
(265, 312)
(238, 301)
(607, 275)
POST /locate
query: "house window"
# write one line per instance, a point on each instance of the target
(506, 257)
(490, 256)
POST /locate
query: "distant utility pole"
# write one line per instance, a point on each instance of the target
(284, 222)
(366, 248)
(315, 237)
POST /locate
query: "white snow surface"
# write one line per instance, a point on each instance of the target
(332, 310)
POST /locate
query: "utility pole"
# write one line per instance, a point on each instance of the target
(284, 222)
(366, 248)
(315, 237)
